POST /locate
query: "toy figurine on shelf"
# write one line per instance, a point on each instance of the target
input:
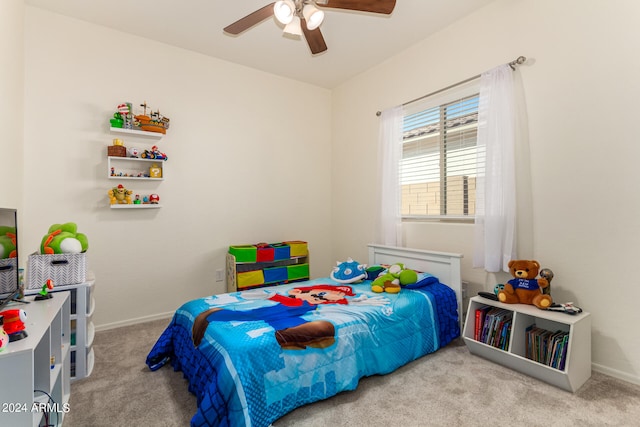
(120, 195)
(14, 323)
(155, 171)
(154, 199)
(155, 153)
(126, 111)
(116, 121)
(123, 117)
(137, 200)
(44, 292)
(154, 123)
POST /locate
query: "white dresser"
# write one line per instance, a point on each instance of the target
(82, 304)
(35, 370)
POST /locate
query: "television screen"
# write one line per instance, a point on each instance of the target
(8, 255)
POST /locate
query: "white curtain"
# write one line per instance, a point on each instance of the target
(495, 224)
(389, 155)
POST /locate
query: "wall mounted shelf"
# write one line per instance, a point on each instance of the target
(130, 165)
(136, 168)
(143, 133)
(134, 206)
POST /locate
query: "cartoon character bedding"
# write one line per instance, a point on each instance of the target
(250, 357)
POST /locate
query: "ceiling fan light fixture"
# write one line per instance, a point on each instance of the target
(313, 16)
(293, 27)
(284, 11)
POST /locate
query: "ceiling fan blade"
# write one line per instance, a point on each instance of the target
(375, 6)
(314, 38)
(250, 20)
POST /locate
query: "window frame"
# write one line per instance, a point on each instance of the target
(441, 100)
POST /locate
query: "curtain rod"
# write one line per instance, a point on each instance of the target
(518, 61)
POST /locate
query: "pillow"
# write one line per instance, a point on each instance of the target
(424, 279)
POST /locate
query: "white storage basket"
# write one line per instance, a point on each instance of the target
(8, 274)
(63, 269)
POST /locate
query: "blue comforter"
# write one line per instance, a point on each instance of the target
(249, 369)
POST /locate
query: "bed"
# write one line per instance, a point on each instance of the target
(251, 357)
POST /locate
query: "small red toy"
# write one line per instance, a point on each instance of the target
(44, 294)
(14, 323)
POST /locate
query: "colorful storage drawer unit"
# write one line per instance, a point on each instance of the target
(244, 253)
(276, 274)
(298, 248)
(249, 279)
(281, 251)
(298, 271)
(265, 252)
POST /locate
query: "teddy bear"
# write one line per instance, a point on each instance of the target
(64, 239)
(525, 288)
(393, 280)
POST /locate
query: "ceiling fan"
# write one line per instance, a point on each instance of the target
(304, 17)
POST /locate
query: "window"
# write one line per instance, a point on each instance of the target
(439, 162)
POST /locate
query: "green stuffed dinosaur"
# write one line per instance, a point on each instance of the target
(64, 239)
(393, 280)
(7, 242)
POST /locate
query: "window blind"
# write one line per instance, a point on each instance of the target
(439, 162)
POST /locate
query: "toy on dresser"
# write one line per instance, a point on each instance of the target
(64, 239)
(44, 292)
(4, 337)
(14, 324)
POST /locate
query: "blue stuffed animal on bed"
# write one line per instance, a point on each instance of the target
(349, 271)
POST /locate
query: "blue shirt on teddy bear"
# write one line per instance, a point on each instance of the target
(529, 284)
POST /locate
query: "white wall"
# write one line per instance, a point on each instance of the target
(11, 102)
(581, 85)
(580, 82)
(246, 162)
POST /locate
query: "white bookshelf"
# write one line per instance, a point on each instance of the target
(577, 368)
(38, 364)
(82, 329)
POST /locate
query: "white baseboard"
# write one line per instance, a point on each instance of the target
(134, 321)
(634, 379)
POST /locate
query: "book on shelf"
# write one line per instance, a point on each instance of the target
(479, 321)
(493, 326)
(546, 347)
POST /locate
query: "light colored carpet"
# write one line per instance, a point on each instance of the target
(450, 387)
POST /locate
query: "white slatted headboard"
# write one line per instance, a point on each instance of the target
(445, 266)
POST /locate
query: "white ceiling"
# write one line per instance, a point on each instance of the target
(356, 41)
